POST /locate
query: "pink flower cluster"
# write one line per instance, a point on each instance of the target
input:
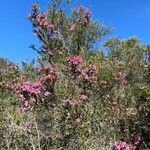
(136, 139)
(31, 93)
(50, 74)
(89, 72)
(43, 25)
(76, 69)
(75, 60)
(83, 97)
(31, 87)
(121, 145)
(43, 22)
(86, 12)
(28, 90)
(81, 9)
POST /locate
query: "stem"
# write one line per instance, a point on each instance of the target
(38, 134)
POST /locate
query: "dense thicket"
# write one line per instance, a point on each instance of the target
(76, 96)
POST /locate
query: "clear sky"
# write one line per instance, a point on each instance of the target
(126, 17)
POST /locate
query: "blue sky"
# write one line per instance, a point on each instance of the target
(126, 17)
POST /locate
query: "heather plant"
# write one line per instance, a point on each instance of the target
(75, 96)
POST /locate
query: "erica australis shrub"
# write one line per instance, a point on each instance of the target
(75, 96)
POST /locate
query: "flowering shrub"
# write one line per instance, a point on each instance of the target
(75, 97)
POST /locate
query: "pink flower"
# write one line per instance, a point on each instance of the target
(125, 145)
(22, 109)
(31, 87)
(117, 146)
(26, 103)
(81, 9)
(75, 60)
(121, 145)
(83, 74)
(48, 73)
(21, 97)
(136, 139)
(88, 14)
(83, 97)
(88, 73)
(78, 120)
(47, 93)
(43, 22)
